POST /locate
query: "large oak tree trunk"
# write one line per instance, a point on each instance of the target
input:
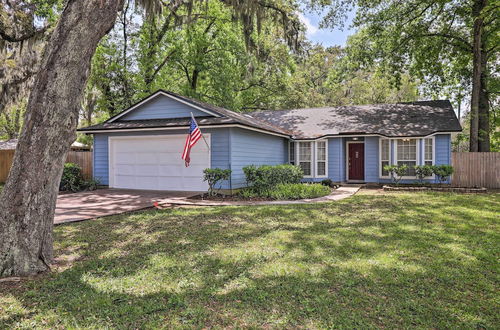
(27, 202)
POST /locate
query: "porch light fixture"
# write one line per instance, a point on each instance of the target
(355, 139)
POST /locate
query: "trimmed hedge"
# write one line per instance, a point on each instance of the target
(289, 191)
(265, 177)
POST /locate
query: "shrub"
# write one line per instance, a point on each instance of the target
(91, 184)
(327, 182)
(396, 171)
(423, 171)
(285, 191)
(297, 191)
(214, 176)
(248, 193)
(265, 177)
(443, 172)
(250, 172)
(72, 178)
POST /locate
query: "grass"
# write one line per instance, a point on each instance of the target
(394, 260)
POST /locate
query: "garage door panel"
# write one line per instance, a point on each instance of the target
(121, 169)
(146, 182)
(146, 170)
(169, 170)
(155, 163)
(124, 158)
(147, 158)
(193, 170)
(125, 180)
(169, 158)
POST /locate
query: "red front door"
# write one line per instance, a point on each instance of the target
(356, 161)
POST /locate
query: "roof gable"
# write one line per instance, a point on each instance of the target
(163, 105)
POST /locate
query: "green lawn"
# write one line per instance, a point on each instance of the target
(373, 260)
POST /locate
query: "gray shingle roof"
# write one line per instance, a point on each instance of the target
(228, 117)
(158, 123)
(391, 120)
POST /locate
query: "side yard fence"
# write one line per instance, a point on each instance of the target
(81, 158)
(476, 169)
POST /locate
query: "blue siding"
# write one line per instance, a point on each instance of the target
(336, 159)
(101, 159)
(219, 148)
(162, 106)
(253, 148)
(371, 159)
(443, 149)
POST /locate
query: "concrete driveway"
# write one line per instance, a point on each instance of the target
(101, 202)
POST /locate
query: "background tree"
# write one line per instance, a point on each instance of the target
(451, 45)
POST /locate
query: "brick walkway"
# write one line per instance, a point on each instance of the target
(94, 204)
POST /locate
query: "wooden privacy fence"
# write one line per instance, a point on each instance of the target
(81, 158)
(476, 169)
(6, 157)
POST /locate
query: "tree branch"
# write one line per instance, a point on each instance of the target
(466, 45)
(11, 38)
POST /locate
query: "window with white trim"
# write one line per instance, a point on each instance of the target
(321, 158)
(428, 151)
(305, 157)
(406, 154)
(291, 152)
(385, 156)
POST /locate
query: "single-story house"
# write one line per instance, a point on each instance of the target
(140, 148)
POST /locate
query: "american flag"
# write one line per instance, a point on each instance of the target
(193, 137)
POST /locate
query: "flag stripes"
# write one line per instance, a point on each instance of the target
(193, 137)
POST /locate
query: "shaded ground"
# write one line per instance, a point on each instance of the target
(374, 260)
(92, 204)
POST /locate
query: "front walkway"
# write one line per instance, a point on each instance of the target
(102, 202)
(94, 204)
(337, 194)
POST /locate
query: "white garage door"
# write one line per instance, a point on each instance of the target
(154, 163)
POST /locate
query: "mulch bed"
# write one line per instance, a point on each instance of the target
(463, 190)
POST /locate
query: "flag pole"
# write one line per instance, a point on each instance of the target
(201, 132)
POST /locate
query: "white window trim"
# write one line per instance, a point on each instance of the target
(311, 159)
(380, 158)
(433, 138)
(294, 149)
(316, 159)
(347, 161)
(417, 155)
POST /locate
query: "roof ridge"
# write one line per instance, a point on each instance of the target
(350, 105)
